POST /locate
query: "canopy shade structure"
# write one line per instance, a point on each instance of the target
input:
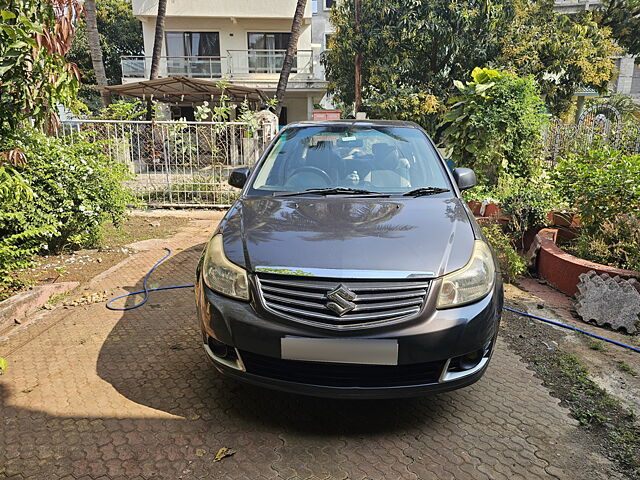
(179, 90)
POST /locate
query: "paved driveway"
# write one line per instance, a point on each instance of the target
(92, 393)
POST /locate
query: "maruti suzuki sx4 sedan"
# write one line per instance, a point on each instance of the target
(350, 267)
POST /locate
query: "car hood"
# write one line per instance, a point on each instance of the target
(426, 234)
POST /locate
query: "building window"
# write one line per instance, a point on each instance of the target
(266, 51)
(328, 4)
(193, 54)
(314, 6)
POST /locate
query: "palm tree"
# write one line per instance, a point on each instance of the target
(93, 37)
(157, 49)
(158, 39)
(292, 48)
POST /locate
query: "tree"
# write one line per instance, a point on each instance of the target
(34, 75)
(120, 35)
(158, 39)
(623, 18)
(562, 52)
(93, 38)
(412, 47)
(418, 48)
(292, 48)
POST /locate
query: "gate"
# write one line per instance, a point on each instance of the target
(178, 164)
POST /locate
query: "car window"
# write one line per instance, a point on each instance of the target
(378, 158)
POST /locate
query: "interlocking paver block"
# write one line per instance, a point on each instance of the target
(112, 399)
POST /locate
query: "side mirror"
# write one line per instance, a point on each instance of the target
(238, 177)
(465, 178)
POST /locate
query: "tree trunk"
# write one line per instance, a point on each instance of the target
(158, 40)
(93, 38)
(292, 48)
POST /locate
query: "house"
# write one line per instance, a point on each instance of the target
(242, 41)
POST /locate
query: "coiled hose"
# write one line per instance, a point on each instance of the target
(147, 292)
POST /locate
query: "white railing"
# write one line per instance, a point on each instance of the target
(177, 163)
(237, 63)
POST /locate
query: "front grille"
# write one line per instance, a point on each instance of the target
(342, 374)
(304, 299)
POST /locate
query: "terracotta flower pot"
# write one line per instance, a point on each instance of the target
(474, 205)
(492, 210)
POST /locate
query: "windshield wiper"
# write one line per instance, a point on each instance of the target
(422, 191)
(330, 191)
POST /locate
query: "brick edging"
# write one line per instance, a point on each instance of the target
(562, 270)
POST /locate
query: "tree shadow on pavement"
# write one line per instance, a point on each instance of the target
(154, 357)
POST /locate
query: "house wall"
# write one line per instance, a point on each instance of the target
(233, 35)
(221, 8)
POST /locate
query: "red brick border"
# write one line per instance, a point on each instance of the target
(562, 269)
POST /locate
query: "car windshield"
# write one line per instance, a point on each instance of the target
(382, 159)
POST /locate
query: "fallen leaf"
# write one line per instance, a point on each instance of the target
(3, 365)
(200, 452)
(223, 452)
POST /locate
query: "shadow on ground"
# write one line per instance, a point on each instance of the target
(154, 357)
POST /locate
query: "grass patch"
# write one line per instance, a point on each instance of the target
(612, 428)
(58, 298)
(626, 368)
(597, 345)
(593, 407)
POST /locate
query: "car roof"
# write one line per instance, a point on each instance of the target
(355, 123)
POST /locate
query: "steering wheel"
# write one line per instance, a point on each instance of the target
(315, 170)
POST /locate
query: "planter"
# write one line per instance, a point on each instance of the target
(562, 270)
(563, 219)
(475, 206)
(492, 210)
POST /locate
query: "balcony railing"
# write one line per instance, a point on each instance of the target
(196, 67)
(246, 62)
(237, 63)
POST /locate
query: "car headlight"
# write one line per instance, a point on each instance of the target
(471, 282)
(220, 274)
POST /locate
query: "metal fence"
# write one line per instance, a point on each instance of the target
(177, 163)
(597, 127)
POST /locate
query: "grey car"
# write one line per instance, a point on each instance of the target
(350, 267)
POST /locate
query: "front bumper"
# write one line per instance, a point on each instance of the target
(431, 340)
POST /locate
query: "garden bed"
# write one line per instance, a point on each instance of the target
(562, 270)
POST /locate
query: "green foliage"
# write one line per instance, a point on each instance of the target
(602, 186)
(73, 189)
(403, 103)
(420, 47)
(622, 17)
(34, 76)
(494, 125)
(562, 52)
(411, 48)
(124, 110)
(511, 263)
(527, 203)
(616, 242)
(120, 35)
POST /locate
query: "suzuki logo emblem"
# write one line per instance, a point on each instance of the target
(340, 300)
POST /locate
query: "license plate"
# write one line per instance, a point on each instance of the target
(340, 350)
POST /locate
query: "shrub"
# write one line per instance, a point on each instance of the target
(527, 202)
(494, 125)
(511, 263)
(601, 185)
(616, 242)
(74, 188)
